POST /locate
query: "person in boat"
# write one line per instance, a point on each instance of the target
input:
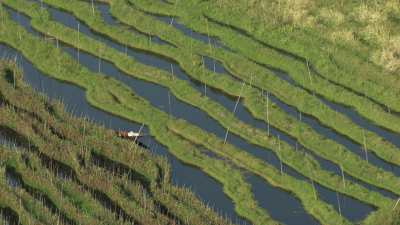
(130, 134)
(133, 136)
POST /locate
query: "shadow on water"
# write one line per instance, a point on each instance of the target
(73, 97)
(8, 216)
(15, 180)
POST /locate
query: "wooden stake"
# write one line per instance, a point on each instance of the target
(208, 35)
(214, 65)
(99, 60)
(78, 43)
(226, 135)
(93, 7)
(365, 146)
(344, 183)
(15, 61)
(140, 130)
(338, 201)
(279, 151)
(19, 33)
(172, 71)
(205, 85)
(237, 101)
(169, 103)
(312, 181)
(395, 205)
(268, 113)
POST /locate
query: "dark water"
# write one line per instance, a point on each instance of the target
(279, 206)
(140, 86)
(214, 65)
(349, 208)
(8, 216)
(7, 142)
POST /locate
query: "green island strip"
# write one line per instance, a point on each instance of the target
(95, 86)
(301, 99)
(300, 72)
(334, 182)
(67, 154)
(334, 61)
(305, 135)
(382, 148)
(128, 106)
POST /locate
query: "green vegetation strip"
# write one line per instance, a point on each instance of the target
(65, 157)
(343, 65)
(128, 108)
(183, 201)
(314, 143)
(329, 150)
(138, 111)
(302, 100)
(328, 180)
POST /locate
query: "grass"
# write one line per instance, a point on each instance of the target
(339, 61)
(348, 161)
(168, 130)
(182, 149)
(310, 195)
(212, 167)
(303, 101)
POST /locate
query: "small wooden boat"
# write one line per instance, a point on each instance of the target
(129, 134)
(133, 136)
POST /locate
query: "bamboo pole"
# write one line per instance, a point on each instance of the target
(78, 42)
(395, 205)
(140, 130)
(172, 71)
(279, 156)
(169, 103)
(226, 135)
(93, 7)
(338, 201)
(365, 146)
(205, 85)
(268, 129)
(344, 183)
